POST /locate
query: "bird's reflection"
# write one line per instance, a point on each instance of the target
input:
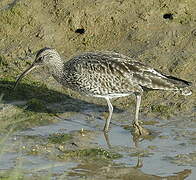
(135, 171)
(136, 139)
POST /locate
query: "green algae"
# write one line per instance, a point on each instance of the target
(91, 153)
(29, 90)
(55, 147)
(19, 26)
(183, 159)
(10, 175)
(3, 62)
(36, 105)
(162, 110)
(21, 119)
(144, 153)
(59, 138)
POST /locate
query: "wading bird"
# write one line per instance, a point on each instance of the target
(107, 75)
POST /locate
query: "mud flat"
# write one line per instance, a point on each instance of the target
(49, 131)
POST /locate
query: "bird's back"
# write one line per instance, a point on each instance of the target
(102, 73)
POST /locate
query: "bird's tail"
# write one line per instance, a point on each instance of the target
(181, 85)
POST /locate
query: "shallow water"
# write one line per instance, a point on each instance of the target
(166, 44)
(168, 153)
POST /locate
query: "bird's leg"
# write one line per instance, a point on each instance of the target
(110, 107)
(139, 130)
(107, 139)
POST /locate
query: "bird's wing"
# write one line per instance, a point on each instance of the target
(121, 68)
(150, 78)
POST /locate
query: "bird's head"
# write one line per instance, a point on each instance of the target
(44, 57)
(47, 57)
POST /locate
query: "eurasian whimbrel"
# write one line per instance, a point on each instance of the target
(107, 75)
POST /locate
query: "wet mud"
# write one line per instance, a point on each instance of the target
(47, 131)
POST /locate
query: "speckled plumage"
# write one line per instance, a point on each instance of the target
(110, 74)
(107, 75)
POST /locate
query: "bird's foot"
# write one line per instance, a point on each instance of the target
(139, 130)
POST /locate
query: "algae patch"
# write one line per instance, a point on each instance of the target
(162, 110)
(59, 138)
(92, 153)
(36, 105)
(183, 159)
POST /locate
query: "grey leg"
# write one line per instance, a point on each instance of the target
(139, 130)
(137, 108)
(110, 107)
(107, 139)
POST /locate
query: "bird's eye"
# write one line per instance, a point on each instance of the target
(39, 59)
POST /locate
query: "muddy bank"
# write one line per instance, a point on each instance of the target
(51, 131)
(160, 34)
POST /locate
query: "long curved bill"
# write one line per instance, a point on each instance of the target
(24, 74)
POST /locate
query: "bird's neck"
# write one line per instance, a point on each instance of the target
(57, 70)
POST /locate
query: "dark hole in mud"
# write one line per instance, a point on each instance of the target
(168, 16)
(80, 31)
